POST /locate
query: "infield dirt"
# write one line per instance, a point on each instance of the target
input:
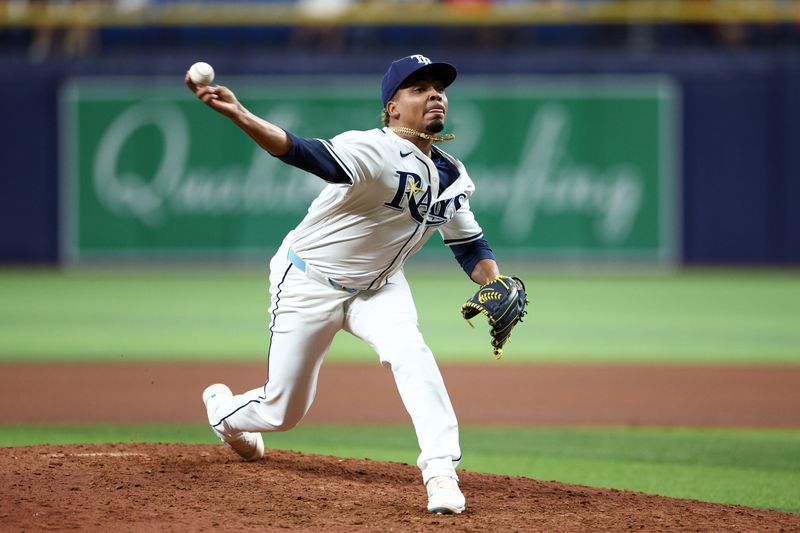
(173, 487)
(178, 487)
(501, 393)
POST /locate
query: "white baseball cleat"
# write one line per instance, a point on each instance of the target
(250, 446)
(444, 496)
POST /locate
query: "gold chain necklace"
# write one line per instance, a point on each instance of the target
(427, 136)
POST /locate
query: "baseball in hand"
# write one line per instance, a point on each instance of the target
(201, 73)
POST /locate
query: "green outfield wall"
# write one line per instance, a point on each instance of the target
(564, 168)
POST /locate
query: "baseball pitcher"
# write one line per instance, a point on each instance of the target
(388, 189)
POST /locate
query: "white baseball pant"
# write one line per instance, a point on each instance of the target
(305, 316)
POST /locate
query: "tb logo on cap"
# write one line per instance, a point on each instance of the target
(421, 59)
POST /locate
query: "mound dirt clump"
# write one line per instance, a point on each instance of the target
(201, 488)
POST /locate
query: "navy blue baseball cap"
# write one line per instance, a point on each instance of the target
(400, 70)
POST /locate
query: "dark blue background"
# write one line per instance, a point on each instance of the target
(740, 121)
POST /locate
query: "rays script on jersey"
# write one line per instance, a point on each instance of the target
(413, 188)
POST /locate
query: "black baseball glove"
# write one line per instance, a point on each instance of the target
(503, 301)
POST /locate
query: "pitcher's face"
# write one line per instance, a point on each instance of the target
(420, 104)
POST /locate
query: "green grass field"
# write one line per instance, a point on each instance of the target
(638, 316)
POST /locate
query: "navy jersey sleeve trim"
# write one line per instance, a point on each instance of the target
(470, 253)
(453, 242)
(319, 158)
(342, 164)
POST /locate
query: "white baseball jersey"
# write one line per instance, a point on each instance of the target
(387, 202)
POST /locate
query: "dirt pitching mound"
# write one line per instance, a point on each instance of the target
(160, 487)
